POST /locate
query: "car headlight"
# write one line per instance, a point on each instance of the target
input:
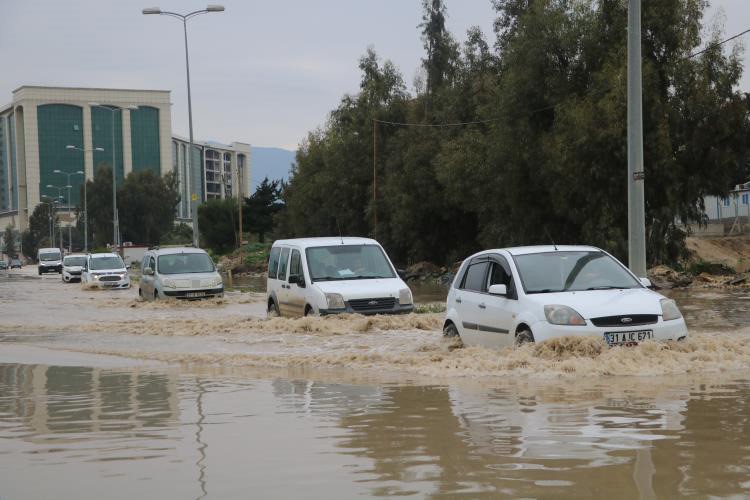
(335, 301)
(217, 281)
(669, 310)
(95, 276)
(169, 283)
(404, 297)
(563, 315)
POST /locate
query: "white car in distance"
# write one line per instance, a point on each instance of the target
(511, 296)
(105, 270)
(72, 267)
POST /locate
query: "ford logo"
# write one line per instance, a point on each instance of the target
(626, 320)
(372, 303)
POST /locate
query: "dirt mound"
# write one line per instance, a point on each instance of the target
(732, 251)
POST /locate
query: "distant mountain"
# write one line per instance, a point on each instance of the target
(273, 163)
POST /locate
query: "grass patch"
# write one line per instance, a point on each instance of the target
(256, 254)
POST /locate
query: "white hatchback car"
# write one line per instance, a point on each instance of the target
(180, 273)
(526, 294)
(334, 275)
(105, 270)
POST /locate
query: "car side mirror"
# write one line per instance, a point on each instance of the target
(298, 279)
(401, 273)
(148, 271)
(498, 290)
(646, 282)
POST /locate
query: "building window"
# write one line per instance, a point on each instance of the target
(101, 136)
(745, 198)
(144, 137)
(726, 202)
(58, 126)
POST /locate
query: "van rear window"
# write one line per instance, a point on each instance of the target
(273, 263)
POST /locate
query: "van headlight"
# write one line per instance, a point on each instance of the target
(404, 297)
(169, 283)
(563, 315)
(217, 281)
(335, 301)
(669, 310)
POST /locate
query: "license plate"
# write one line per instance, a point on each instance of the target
(195, 294)
(628, 338)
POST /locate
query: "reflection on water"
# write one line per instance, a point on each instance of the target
(95, 433)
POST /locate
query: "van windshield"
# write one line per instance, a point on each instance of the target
(348, 262)
(184, 263)
(46, 257)
(74, 261)
(99, 263)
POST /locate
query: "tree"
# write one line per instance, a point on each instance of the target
(29, 244)
(41, 222)
(100, 207)
(216, 220)
(147, 205)
(10, 245)
(260, 208)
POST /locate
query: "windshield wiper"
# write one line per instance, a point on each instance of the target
(544, 290)
(608, 287)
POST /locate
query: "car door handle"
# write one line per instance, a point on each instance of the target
(482, 306)
(458, 300)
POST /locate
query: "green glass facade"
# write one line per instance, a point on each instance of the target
(60, 125)
(101, 134)
(197, 174)
(144, 137)
(4, 168)
(13, 188)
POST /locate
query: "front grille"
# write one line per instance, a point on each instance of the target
(110, 277)
(74, 273)
(635, 320)
(367, 305)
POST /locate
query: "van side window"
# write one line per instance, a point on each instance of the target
(152, 263)
(144, 264)
(273, 263)
(283, 264)
(476, 277)
(295, 267)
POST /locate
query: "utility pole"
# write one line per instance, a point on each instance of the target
(240, 197)
(375, 177)
(636, 210)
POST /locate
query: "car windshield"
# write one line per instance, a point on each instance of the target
(348, 262)
(74, 261)
(572, 271)
(46, 257)
(98, 263)
(184, 263)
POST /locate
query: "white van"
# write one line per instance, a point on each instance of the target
(50, 260)
(334, 275)
(179, 273)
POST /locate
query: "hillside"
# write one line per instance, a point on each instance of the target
(273, 163)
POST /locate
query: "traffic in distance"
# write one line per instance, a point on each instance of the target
(499, 297)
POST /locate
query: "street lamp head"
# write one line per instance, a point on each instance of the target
(94, 104)
(215, 8)
(98, 149)
(151, 10)
(57, 171)
(68, 186)
(80, 172)
(50, 186)
(131, 107)
(70, 146)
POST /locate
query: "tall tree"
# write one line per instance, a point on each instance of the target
(100, 207)
(261, 207)
(10, 243)
(147, 205)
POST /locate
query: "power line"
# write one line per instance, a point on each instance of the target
(717, 44)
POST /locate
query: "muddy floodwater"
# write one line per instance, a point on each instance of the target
(105, 396)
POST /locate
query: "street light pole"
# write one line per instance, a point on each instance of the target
(60, 197)
(636, 210)
(70, 212)
(115, 216)
(85, 197)
(184, 18)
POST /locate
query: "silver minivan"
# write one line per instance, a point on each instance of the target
(179, 273)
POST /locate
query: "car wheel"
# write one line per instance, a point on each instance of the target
(156, 294)
(140, 292)
(308, 310)
(450, 331)
(273, 310)
(524, 337)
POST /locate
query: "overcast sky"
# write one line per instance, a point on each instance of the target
(264, 72)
